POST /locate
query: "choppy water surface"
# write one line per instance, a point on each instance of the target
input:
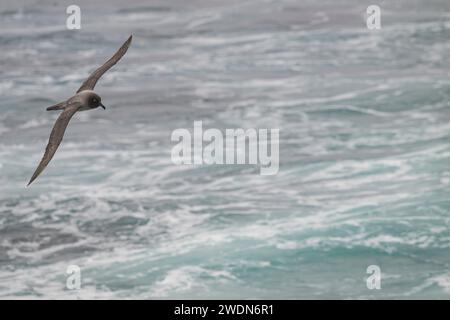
(364, 149)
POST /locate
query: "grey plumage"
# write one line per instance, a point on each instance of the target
(84, 99)
(90, 82)
(56, 137)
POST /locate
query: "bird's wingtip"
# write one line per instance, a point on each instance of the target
(31, 180)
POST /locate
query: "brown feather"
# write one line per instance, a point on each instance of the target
(56, 137)
(90, 82)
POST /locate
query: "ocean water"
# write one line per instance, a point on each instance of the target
(364, 173)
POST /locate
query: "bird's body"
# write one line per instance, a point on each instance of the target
(87, 99)
(84, 99)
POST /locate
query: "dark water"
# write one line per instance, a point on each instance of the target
(364, 150)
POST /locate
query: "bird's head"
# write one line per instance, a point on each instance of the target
(94, 100)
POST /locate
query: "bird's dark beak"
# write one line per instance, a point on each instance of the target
(101, 105)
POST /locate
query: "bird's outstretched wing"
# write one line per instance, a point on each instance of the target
(90, 82)
(56, 137)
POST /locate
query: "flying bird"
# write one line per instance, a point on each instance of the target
(84, 99)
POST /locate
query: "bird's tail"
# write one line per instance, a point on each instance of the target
(58, 106)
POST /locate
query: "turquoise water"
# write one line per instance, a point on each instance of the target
(364, 171)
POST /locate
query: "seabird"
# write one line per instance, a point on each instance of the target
(84, 99)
